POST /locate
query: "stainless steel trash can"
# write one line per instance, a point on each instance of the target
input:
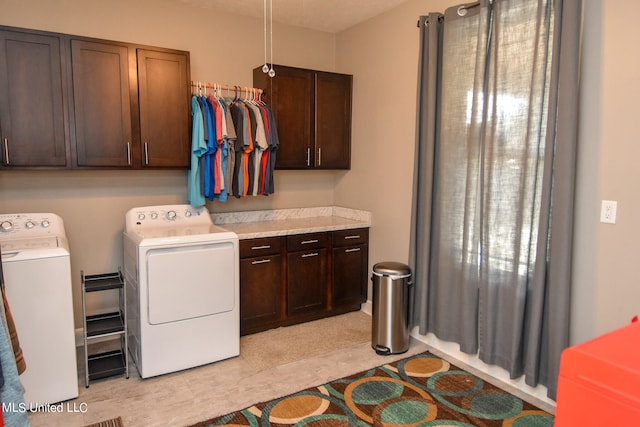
(390, 331)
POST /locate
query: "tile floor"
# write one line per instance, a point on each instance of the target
(311, 354)
(194, 395)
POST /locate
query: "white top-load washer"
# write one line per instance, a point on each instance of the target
(37, 276)
(182, 283)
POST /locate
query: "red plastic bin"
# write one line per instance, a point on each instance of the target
(599, 382)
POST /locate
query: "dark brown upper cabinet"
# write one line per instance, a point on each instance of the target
(77, 102)
(313, 115)
(163, 93)
(32, 103)
(101, 104)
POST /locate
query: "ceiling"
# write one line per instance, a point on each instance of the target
(331, 16)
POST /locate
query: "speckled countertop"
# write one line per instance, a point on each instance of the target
(283, 222)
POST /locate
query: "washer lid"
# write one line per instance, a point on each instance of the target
(29, 244)
(33, 249)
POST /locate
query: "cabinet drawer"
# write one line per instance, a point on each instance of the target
(302, 242)
(356, 236)
(252, 248)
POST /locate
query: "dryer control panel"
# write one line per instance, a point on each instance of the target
(166, 216)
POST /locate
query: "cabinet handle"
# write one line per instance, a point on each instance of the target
(306, 242)
(354, 236)
(319, 156)
(260, 247)
(260, 261)
(128, 153)
(308, 156)
(310, 255)
(6, 151)
(146, 154)
(351, 250)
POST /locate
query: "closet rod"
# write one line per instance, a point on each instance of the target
(196, 84)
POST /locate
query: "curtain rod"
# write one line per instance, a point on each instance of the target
(207, 85)
(461, 10)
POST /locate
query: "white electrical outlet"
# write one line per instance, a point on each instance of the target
(608, 211)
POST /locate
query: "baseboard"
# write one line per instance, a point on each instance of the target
(367, 307)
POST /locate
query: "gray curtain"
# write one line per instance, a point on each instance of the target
(492, 216)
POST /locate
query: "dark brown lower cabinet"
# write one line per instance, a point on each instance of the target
(261, 284)
(261, 290)
(284, 281)
(350, 262)
(306, 282)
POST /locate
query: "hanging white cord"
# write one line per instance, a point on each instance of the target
(265, 67)
(272, 72)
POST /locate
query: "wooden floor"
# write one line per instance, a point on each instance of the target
(260, 373)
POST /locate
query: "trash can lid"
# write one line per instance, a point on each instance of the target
(393, 269)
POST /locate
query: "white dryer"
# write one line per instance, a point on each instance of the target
(182, 283)
(37, 276)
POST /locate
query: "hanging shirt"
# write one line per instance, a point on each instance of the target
(265, 153)
(249, 135)
(212, 145)
(274, 143)
(238, 115)
(198, 148)
(216, 112)
(231, 142)
(260, 146)
(222, 149)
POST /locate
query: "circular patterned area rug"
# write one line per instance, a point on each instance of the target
(421, 391)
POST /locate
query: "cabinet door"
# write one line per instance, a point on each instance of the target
(306, 281)
(349, 275)
(102, 105)
(333, 121)
(32, 112)
(291, 95)
(349, 278)
(163, 85)
(260, 292)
